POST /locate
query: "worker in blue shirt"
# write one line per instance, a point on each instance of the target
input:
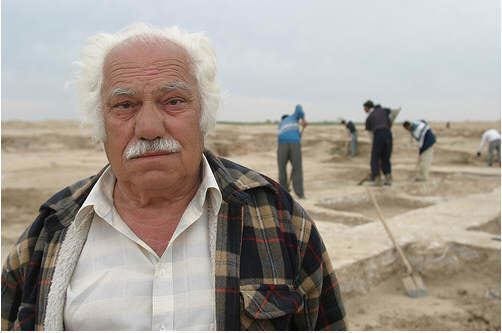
(289, 149)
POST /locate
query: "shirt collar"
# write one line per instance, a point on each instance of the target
(101, 196)
(209, 185)
(100, 199)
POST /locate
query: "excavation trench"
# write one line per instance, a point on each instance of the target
(363, 210)
(463, 285)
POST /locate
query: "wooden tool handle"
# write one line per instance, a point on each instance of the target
(380, 216)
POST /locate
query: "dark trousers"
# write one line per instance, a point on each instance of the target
(381, 151)
(291, 152)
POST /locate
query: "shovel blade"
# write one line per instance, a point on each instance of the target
(414, 286)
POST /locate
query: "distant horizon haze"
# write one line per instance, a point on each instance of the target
(437, 59)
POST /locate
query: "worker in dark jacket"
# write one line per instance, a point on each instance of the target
(379, 123)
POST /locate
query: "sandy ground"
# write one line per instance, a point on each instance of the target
(40, 158)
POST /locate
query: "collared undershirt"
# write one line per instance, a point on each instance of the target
(120, 283)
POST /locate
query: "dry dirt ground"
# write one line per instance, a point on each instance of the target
(40, 158)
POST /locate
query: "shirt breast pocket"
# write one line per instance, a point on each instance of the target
(269, 307)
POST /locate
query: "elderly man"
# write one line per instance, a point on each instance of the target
(167, 236)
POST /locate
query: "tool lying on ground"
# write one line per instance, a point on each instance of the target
(366, 178)
(412, 282)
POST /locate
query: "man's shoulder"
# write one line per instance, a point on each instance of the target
(230, 174)
(268, 202)
(237, 177)
(59, 210)
(55, 214)
(67, 192)
(74, 194)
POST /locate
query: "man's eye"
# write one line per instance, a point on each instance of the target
(123, 105)
(174, 101)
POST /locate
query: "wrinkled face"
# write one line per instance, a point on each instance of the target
(149, 93)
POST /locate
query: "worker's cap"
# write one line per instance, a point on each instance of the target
(368, 104)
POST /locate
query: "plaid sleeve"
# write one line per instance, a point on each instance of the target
(18, 313)
(12, 277)
(323, 308)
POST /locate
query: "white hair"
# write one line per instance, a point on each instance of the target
(89, 75)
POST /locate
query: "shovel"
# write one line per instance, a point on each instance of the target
(412, 282)
(366, 178)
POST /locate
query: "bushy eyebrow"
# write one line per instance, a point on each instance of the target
(176, 85)
(122, 92)
(171, 86)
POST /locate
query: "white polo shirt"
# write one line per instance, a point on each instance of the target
(487, 137)
(120, 283)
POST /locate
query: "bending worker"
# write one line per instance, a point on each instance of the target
(379, 122)
(351, 128)
(492, 138)
(289, 149)
(421, 132)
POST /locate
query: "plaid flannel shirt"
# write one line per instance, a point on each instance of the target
(271, 268)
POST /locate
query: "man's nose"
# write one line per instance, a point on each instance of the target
(149, 123)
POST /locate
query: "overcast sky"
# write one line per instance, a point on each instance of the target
(437, 59)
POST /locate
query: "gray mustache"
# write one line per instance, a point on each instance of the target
(159, 145)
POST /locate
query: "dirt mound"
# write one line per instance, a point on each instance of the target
(391, 205)
(451, 184)
(464, 298)
(450, 156)
(47, 142)
(491, 227)
(235, 144)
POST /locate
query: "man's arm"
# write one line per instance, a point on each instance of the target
(18, 286)
(393, 114)
(367, 124)
(11, 290)
(303, 122)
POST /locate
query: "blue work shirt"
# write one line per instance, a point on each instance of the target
(289, 129)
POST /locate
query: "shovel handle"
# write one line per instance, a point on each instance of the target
(409, 269)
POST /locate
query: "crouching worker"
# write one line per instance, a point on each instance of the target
(491, 138)
(352, 132)
(422, 133)
(168, 236)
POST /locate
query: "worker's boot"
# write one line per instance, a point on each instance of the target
(377, 181)
(388, 180)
